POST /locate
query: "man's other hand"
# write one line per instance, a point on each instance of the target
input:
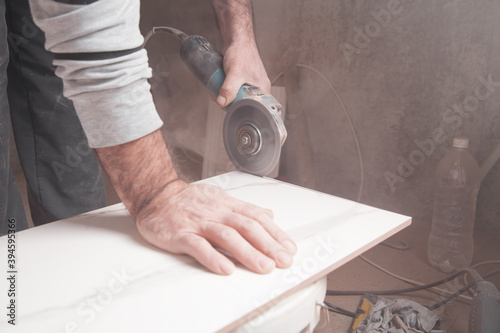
(199, 220)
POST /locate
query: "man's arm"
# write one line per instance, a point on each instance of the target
(105, 74)
(242, 62)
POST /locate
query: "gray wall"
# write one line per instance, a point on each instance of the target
(407, 73)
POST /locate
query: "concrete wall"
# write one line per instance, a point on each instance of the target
(410, 75)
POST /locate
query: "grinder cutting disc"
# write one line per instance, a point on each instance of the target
(253, 136)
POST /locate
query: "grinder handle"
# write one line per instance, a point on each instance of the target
(206, 64)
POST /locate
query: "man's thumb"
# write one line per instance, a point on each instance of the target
(228, 91)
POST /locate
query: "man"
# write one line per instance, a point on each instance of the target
(62, 175)
(97, 48)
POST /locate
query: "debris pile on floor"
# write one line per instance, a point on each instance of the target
(398, 316)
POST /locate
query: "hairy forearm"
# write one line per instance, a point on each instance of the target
(139, 170)
(235, 19)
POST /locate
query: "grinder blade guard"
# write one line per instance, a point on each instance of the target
(253, 129)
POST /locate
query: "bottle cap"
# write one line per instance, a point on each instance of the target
(461, 142)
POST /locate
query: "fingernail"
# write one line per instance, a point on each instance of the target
(221, 100)
(290, 246)
(284, 258)
(265, 263)
(226, 267)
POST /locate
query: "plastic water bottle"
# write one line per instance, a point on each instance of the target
(451, 245)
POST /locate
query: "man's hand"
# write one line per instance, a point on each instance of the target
(197, 219)
(242, 62)
(242, 65)
(192, 219)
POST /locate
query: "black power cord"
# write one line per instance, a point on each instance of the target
(461, 290)
(406, 290)
(339, 310)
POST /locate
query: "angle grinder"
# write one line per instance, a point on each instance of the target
(253, 130)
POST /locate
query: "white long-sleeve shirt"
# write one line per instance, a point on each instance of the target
(98, 54)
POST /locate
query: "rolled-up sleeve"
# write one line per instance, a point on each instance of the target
(98, 54)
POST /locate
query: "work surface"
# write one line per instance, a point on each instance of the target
(94, 272)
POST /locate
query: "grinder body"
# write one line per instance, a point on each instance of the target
(253, 129)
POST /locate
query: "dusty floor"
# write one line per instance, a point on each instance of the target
(411, 264)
